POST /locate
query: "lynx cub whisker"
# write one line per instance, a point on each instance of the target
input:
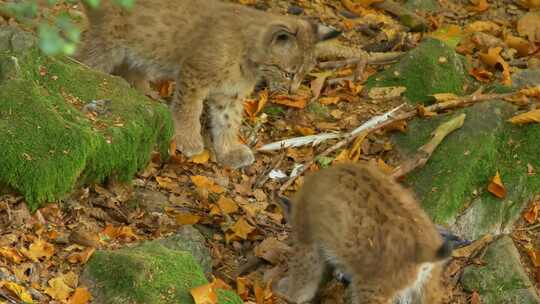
(215, 51)
(360, 221)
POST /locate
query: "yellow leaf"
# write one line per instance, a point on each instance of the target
(204, 294)
(19, 291)
(81, 257)
(531, 92)
(329, 100)
(480, 6)
(227, 205)
(529, 26)
(204, 182)
(38, 250)
(305, 130)
(522, 46)
(386, 168)
(531, 215)
(356, 149)
(11, 254)
(386, 92)
(483, 26)
(291, 101)
(525, 118)
(58, 289)
(120, 232)
(496, 186)
(184, 218)
(241, 228)
(80, 296)
(201, 158)
(166, 183)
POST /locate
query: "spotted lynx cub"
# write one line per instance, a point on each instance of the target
(215, 51)
(358, 220)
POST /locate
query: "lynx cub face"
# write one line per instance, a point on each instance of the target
(215, 51)
(357, 219)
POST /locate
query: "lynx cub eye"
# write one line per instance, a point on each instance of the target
(289, 75)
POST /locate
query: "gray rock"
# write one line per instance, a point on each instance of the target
(151, 201)
(528, 77)
(191, 240)
(502, 279)
(22, 41)
(6, 33)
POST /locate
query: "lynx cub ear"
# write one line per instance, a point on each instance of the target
(323, 32)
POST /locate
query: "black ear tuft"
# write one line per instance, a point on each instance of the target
(445, 250)
(326, 32)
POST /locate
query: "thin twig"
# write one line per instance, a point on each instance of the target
(459, 102)
(535, 226)
(425, 152)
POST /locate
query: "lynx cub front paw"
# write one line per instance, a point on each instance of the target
(189, 144)
(237, 157)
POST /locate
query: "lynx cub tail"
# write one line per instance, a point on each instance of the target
(217, 52)
(359, 220)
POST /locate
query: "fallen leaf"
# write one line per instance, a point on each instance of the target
(492, 58)
(80, 296)
(242, 287)
(206, 183)
(534, 255)
(479, 6)
(204, 294)
(318, 83)
(481, 74)
(254, 107)
(58, 289)
(305, 130)
(329, 100)
(475, 298)
(11, 254)
(241, 228)
(424, 112)
(483, 26)
(522, 46)
(227, 205)
(451, 35)
(184, 218)
(166, 183)
(272, 250)
(38, 250)
(525, 118)
(298, 102)
(19, 291)
(125, 233)
(201, 158)
(531, 215)
(81, 257)
(356, 149)
(531, 92)
(496, 186)
(385, 168)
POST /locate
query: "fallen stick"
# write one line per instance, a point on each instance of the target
(474, 98)
(407, 17)
(425, 152)
(373, 58)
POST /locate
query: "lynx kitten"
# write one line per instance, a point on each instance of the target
(358, 220)
(215, 51)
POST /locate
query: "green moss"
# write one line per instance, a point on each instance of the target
(49, 144)
(149, 273)
(430, 68)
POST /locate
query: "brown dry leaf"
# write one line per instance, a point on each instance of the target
(81, 257)
(227, 205)
(531, 215)
(343, 156)
(483, 26)
(11, 254)
(305, 131)
(206, 183)
(253, 107)
(165, 87)
(479, 6)
(201, 158)
(481, 74)
(529, 26)
(356, 149)
(475, 298)
(525, 118)
(492, 57)
(259, 293)
(204, 294)
(496, 186)
(241, 228)
(522, 46)
(166, 183)
(399, 125)
(298, 102)
(19, 291)
(58, 289)
(242, 287)
(39, 249)
(184, 218)
(534, 255)
(424, 112)
(318, 83)
(80, 296)
(120, 232)
(329, 100)
(473, 248)
(272, 250)
(356, 8)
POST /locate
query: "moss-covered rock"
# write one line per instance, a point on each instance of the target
(430, 68)
(62, 123)
(149, 273)
(452, 186)
(501, 279)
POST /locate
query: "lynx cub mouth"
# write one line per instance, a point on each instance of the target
(215, 51)
(355, 218)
